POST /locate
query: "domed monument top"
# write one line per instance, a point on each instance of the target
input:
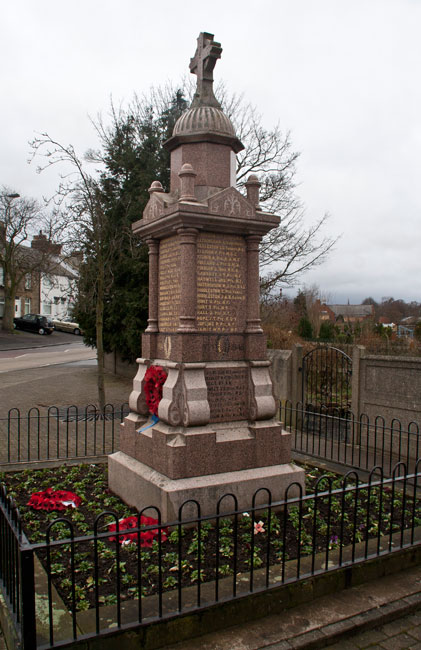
(205, 120)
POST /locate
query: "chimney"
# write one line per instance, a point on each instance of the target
(75, 259)
(41, 243)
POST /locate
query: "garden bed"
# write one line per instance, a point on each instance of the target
(102, 570)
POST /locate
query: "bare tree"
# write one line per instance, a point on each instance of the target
(294, 247)
(314, 299)
(79, 194)
(20, 219)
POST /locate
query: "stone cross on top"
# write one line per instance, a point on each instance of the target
(207, 53)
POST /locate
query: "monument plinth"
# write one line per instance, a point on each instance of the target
(216, 431)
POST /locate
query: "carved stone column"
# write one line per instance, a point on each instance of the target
(253, 297)
(153, 245)
(188, 279)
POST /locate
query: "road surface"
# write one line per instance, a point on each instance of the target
(25, 359)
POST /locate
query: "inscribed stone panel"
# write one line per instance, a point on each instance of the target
(169, 284)
(227, 393)
(221, 283)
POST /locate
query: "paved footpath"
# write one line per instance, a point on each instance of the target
(384, 613)
(398, 635)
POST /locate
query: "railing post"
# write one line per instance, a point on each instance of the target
(28, 622)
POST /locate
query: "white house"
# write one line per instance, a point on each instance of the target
(58, 286)
(58, 290)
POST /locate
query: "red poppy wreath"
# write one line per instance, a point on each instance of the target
(50, 499)
(146, 537)
(154, 380)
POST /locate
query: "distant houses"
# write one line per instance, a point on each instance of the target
(406, 327)
(50, 292)
(346, 314)
(349, 315)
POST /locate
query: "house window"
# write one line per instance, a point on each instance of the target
(1, 276)
(56, 300)
(46, 308)
(28, 282)
(27, 305)
(1, 307)
(48, 282)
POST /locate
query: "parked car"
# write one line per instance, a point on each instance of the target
(34, 323)
(67, 325)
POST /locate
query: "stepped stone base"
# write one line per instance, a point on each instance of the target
(184, 452)
(141, 486)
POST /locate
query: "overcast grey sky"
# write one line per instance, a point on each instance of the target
(342, 76)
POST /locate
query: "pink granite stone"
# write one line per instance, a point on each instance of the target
(140, 486)
(211, 162)
(216, 426)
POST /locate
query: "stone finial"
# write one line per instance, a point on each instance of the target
(202, 64)
(187, 176)
(253, 186)
(155, 187)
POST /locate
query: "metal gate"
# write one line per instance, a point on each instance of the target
(327, 391)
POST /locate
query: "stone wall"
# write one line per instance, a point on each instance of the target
(387, 386)
(286, 374)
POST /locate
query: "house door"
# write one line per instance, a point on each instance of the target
(18, 309)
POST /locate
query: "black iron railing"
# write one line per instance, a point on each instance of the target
(362, 442)
(17, 577)
(60, 433)
(198, 561)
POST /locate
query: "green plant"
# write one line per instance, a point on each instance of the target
(305, 329)
(327, 331)
(170, 581)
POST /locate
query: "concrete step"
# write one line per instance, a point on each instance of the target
(322, 622)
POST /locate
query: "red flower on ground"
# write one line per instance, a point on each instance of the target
(154, 380)
(50, 499)
(146, 537)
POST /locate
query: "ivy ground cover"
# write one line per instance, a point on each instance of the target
(109, 566)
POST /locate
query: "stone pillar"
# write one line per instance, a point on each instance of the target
(295, 410)
(358, 353)
(153, 246)
(253, 187)
(253, 293)
(187, 176)
(188, 279)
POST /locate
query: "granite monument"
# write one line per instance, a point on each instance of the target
(215, 430)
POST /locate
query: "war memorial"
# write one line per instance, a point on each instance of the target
(214, 429)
